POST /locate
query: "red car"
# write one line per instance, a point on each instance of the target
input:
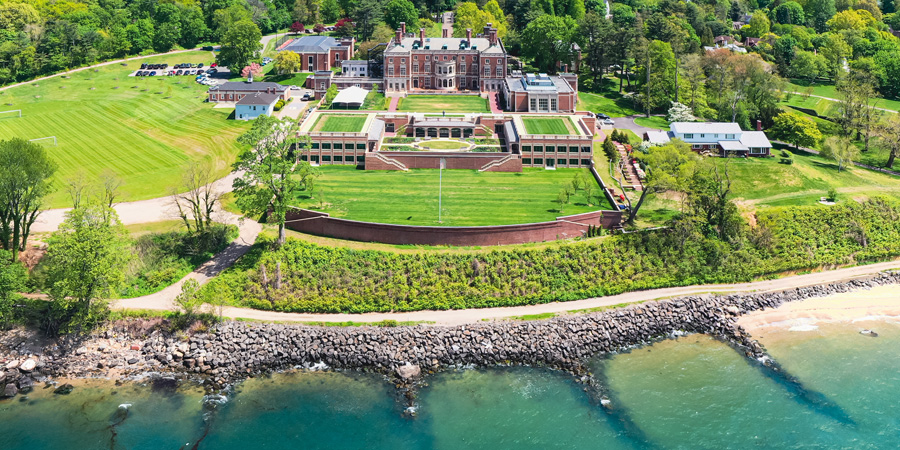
(213, 65)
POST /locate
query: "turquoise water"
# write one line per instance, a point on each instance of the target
(693, 392)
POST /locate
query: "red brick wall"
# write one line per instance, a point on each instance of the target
(562, 228)
(432, 160)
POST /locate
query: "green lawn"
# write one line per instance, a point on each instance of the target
(548, 125)
(444, 103)
(660, 123)
(334, 123)
(443, 145)
(469, 197)
(597, 103)
(289, 79)
(828, 90)
(142, 129)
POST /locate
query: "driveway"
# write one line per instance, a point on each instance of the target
(627, 123)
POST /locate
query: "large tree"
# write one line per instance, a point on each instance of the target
(841, 150)
(272, 172)
(658, 77)
(548, 40)
(796, 129)
(85, 262)
(889, 132)
(669, 168)
(25, 178)
(397, 11)
(367, 15)
(240, 46)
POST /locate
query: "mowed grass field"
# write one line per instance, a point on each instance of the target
(444, 103)
(470, 197)
(548, 125)
(142, 129)
(332, 123)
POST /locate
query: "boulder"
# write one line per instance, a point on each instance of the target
(28, 365)
(10, 391)
(12, 364)
(26, 384)
(64, 389)
(408, 371)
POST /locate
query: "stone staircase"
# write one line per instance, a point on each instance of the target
(388, 163)
(628, 170)
(497, 163)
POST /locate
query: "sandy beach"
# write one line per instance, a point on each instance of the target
(879, 303)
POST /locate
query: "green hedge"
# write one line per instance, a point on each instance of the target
(328, 279)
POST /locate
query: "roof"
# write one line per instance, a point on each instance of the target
(311, 44)
(658, 137)
(376, 129)
(352, 94)
(519, 84)
(755, 139)
(705, 127)
(479, 44)
(732, 146)
(249, 86)
(260, 98)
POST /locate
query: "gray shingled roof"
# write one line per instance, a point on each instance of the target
(260, 98)
(244, 86)
(311, 44)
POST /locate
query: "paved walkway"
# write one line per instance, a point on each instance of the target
(394, 102)
(464, 316)
(492, 100)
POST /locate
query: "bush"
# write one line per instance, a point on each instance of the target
(279, 104)
(329, 279)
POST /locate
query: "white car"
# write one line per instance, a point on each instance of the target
(608, 122)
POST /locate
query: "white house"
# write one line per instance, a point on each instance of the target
(354, 68)
(252, 106)
(727, 137)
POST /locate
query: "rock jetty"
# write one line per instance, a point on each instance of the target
(235, 350)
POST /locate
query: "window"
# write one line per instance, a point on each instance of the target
(573, 162)
(487, 71)
(499, 72)
(533, 104)
(428, 58)
(390, 71)
(462, 68)
(390, 60)
(543, 104)
(304, 157)
(585, 162)
(326, 158)
(326, 146)
(551, 148)
(702, 135)
(573, 149)
(403, 60)
(560, 161)
(729, 136)
(552, 104)
(585, 149)
(315, 145)
(539, 161)
(689, 135)
(526, 161)
(360, 158)
(526, 148)
(416, 68)
(697, 147)
(338, 158)
(360, 146)
(338, 146)
(428, 82)
(538, 148)
(403, 70)
(445, 57)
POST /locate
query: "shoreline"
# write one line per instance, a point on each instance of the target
(139, 350)
(880, 303)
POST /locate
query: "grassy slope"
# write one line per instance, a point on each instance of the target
(545, 125)
(828, 90)
(659, 123)
(289, 79)
(142, 129)
(440, 103)
(604, 98)
(469, 197)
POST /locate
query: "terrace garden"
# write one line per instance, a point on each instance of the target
(335, 123)
(549, 125)
(141, 129)
(443, 103)
(470, 198)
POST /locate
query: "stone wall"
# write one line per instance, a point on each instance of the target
(567, 227)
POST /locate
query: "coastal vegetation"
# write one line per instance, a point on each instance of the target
(327, 279)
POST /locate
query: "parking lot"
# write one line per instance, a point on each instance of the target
(209, 75)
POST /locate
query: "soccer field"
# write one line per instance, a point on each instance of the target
(470, 197)
(548, 125)
(142, 129)
(444, 103)
(333, 123)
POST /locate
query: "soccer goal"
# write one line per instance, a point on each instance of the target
(44, 139)
(5, 114)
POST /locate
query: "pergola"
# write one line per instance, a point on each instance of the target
(443, 128)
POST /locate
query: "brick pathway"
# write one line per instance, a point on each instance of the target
(492, 99)
(394, 102)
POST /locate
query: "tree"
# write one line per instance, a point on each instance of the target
(548, 40)
(796, 129)
(251, 71)
(85, 262)
(841, 150)
(818, 12)
(708, 204)
(857, 104)
(12, 281)
(273, 172)
(288, 62)
(679, 112)
(658, 77)
(330, 94)
(609, 149)
(189, 299)
(240, 46)
(835, 50)
(367, 16)
(396, 11)
(669, 167)
(789, 13)
(331, 11)
(344, 28)
(758, 26)
(468, 16)
(889, 132)
(25, 178)
(807, 65)
(198, 197)
(594, 33)
(297, 27)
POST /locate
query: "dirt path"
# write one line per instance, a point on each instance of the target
(457, 317)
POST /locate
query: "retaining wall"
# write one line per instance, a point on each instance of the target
(455, 160)
(567, 227)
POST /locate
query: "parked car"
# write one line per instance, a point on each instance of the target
(207, 48)
(153, 73)
(199, 66)
(214, 65)
(212, 71)
(602, 116)
(608, 122)
(306, 97)
(144, 66)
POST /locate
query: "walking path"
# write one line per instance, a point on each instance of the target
(857, 164)
(833, 100)
(464, 316)
(492, 99)
(394, 102)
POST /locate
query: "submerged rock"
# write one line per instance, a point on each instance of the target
(869, 333)
(10, 391)
(64, 389)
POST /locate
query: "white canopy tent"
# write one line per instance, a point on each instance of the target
(352, 97)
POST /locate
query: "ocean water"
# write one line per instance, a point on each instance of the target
(687, 393)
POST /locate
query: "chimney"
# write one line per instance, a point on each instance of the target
(487, 29)
(422, 36)
(444, 33)
(403, 28)
(758, 125)
(398, 39)
(468, 37)
(493, 34)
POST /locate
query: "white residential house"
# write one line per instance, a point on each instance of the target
(252, 106)
(726, 137)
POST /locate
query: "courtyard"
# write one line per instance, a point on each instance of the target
(443, 103)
